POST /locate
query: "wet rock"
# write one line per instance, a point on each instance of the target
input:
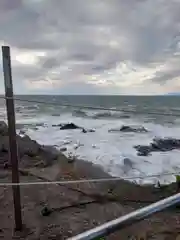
(69, 126)
(87, 130)
(166, 144)
(84, 131)
(63, 149)
(132, 129)
(158, 145)
(29, 151)
(57, 125)
(143, 150)
(128, 129)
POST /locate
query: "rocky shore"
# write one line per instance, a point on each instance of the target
(61, 211)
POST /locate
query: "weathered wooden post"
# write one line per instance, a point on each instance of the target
(13, 153)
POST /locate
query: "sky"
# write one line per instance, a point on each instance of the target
(129, 47)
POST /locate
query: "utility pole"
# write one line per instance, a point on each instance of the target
(13, 152)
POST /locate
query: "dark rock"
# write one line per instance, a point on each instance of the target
(57, 125)
(158, 145)
(29, 151)
(128, 129)
(91, 130)
(87, 130)
(132, 129)
(69, 126)
(84, 131)
(63, 149)
(143, 150)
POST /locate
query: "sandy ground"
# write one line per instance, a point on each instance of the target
(78, 207)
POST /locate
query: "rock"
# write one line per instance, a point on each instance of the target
(69, 126)
(3, 129)
(91, 130)
(127, 129)
(63, 149)
(143, 150)
(27, 146)
(84, 131)
(57, 125)
(49, 153)
(158, 145)
(30, 152)
(87, 130)
(132, 129)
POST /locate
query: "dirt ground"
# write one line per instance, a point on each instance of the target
(75, 208)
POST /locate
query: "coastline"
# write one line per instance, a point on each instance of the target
(74, 207)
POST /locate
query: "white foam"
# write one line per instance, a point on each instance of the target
(109, 149)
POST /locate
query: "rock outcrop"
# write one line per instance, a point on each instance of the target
(28, 149)
(158, 145)
(128, 129)
(69, 126)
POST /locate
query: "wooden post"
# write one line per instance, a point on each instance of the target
(13, 153)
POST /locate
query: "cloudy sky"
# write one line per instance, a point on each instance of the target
(92, 46)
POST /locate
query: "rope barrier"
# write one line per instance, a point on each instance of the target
(87, 180)
(91, 107)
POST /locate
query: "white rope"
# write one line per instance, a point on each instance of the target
(90, 107)
(86, 180)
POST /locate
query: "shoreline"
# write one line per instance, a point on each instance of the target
(75, 207)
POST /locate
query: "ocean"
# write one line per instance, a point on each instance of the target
(160, 115)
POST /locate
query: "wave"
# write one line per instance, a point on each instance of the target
(79, 113)
(109, 115)
(99, 115)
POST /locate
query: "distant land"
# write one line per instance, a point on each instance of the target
(174, 94)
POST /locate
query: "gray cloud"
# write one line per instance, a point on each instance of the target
(82, 38)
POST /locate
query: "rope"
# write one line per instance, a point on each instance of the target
(90, 107)
(87, 180)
